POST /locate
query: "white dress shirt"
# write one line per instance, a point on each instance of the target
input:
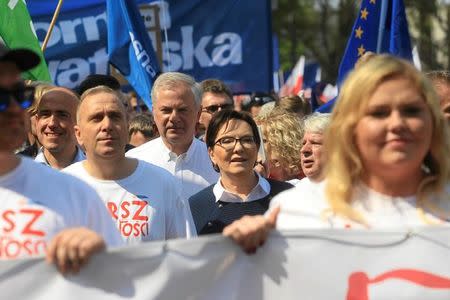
(261, 190)
(193, 169)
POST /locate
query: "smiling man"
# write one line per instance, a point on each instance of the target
(176, 108)
(54, 122)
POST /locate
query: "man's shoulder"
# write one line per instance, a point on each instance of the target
(146, 150)
(303, 197)
(57, 180)
(74, 168)
(149, 170)
(200, 145)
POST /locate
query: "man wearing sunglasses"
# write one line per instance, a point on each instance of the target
(41, 210)
(216, 96)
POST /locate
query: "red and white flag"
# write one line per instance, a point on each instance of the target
(294, 83)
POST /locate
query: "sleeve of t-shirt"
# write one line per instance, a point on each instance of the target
(180, 223)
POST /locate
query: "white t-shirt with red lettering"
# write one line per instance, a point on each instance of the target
(37, 202)
(146, 205)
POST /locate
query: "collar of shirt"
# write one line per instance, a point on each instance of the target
(40, 157)
(261, 190)
(171, 156)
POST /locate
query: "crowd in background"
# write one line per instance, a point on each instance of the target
(203, 161)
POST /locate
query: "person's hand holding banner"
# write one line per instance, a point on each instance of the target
(251, 232)
(71, 248)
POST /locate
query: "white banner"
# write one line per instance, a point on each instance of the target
(321, 264)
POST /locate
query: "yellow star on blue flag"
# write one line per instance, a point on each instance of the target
(394, 36)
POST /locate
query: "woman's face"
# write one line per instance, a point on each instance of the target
(394, 134)
(231, 156)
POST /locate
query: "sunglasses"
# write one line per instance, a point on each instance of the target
(214, 108)
(23, 95)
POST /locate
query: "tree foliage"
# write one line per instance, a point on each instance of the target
(319, 29)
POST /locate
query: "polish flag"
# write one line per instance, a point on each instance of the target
(294, 83)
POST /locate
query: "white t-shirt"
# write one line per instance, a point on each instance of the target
(193, 169)
(145, 205)
(37, 202)
(305, 206)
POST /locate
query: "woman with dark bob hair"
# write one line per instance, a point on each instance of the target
(233, 142)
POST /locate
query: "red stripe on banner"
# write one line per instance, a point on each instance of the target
(358, 282)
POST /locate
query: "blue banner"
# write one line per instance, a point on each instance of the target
(228, 40)
(129, 47)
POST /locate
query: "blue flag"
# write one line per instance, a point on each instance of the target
(382, 24)
(129, 47)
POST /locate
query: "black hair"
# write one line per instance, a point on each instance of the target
(216, 86)
(223, 117)
(94, 80)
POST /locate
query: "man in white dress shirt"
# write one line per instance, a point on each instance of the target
(176, 108)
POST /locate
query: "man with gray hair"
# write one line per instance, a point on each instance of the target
(176, 108)
(311, 153)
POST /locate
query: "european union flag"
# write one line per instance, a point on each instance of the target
(129, 47)
(381, 27)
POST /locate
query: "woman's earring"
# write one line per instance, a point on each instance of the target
(425, 168)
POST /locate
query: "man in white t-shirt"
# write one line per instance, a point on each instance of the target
(176, 108)
(41, 210)
(142, 199)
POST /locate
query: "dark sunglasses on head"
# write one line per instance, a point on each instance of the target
(214, 108)
(23, 95)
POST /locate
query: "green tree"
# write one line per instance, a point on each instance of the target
(317, 29)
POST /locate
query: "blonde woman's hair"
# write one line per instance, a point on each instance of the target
(344, 166)
(295, 104)
(283, 133)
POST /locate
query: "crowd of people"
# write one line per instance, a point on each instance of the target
(108, 172)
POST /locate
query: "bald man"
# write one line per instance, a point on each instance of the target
(55, 119)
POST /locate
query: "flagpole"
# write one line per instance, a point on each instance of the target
(382, 24)
(52, 24)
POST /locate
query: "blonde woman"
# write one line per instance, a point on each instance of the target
(387, 160)
(282, 135)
